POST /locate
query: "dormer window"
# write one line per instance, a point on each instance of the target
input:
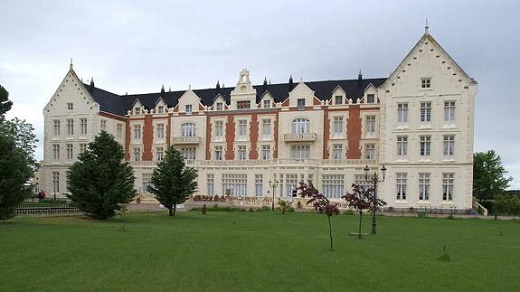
(189, 109)
(160, 109)
(301, 103)
(243, 104)
(219, 106)
(70, 106)
(137, 111)
(267, 103)
(426, 82)
(338, 99)
(371, 98)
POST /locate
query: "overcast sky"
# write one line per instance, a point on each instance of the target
(137, 46)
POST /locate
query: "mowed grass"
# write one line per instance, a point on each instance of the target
(261, 251)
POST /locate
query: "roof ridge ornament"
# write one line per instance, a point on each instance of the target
(426, 27)
(71, 64)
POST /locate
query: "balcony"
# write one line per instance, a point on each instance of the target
(186, 140)
(299, 137)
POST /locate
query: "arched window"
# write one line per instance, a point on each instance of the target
(188, 130)
(301, 126)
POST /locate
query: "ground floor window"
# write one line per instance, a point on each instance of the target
(234, 184)
(333, 185)
(55, 183)
(210, 184)
(448, 181)
(146, 182)
(259, 185)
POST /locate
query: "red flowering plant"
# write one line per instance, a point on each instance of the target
(320, 203)
(361, 199)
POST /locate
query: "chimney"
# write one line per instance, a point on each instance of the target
(359, 78)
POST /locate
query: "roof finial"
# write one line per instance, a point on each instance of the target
(71, 64)
(426, 27)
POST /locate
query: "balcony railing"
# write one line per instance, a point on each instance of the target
(186, 140)
(299, 137)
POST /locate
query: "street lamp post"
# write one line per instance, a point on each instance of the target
(374, 179)
(273, 185)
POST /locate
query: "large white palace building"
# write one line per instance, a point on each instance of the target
(418, 122)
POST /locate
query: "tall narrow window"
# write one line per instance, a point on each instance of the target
(370, 151)
(402, 113)
(259, 185)
(266, 129)
(159, 153)
(371, 126)
(426, 112)
(137, 132)
(70, 154)
(218, 153)
(103, 125)
(119, 132)
(424, 186)
(449, 112)
(300, 103)
(56, 182)
(425, 145)
(83, 126)
(189, 109)
(188, 130)
(338, 127)
(242, 129)
(160, 131)
(55, 151)
(337, 151)
(137, 154)
(219, 129)
(160, 109)
(449, 146)
(266, 152)
(210, 184)
(401, 186)
(56, 127)
(402, 146)
(82, 147)
(448, 181)
(70, 127)
(242, 154)
(146, 182)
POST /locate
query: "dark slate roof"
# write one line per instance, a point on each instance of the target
(323, 90)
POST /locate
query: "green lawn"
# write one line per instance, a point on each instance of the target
(261, 251)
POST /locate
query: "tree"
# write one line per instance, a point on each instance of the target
(172, 181)
(489, 176)
(5, 103)
(100, 183)
(320, 203)
(22, 133)
(361, 199)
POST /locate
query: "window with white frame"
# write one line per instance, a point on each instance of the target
(82, 147)
(188, 130)
(103, 125)
(449, 145)
(370, 151)
(371, 98)
(265, 152)
(300, 151)
(402, 113)
(333, 185)
(119, 131)
(55, 151)
(160, 109)
(338, 127)
(147, 177)
(234, 184)
(425, 145)
(370, 122)
(401, 185)
(189, 109)
(424, 186)
(300, 103)
(301, 126)
(338, 99)
(219, 106)
(426, 82)
(70, 127)
(159, 153)
(448, 182)
(83, 126)
(267, 103)
(241, 153)
(137, 132)
(137, 154)
(160, 131)
(189, 153)
(70, 106)
(219, 129)
(210, 184)
(360, 179)
(449, 112)
(402, 146)
(55, 182)
(266, 129)
(242, 129)
(137, 111)
(291, 182)
(56, 127)
(218, 153)
(70, 153)
(259, 185)
(337, 151)
(426, 112)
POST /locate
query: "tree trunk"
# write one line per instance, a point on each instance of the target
(359, 231)
(170, 211)
(174, 209)
(330, 233)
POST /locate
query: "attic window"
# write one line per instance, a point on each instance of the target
(426, 82)
(267, 103)
(70, 106)
(301, 103)
(160, 109)
(219, 106)
(242, 104)
(338, 99)
(371, 98)
(137, 111)
(189, 109)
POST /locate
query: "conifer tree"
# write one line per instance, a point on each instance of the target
(172, 181)
(5, 103)
(100, 182)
